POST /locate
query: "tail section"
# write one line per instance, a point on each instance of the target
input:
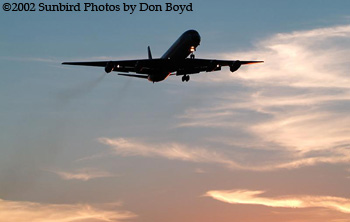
(149, 53)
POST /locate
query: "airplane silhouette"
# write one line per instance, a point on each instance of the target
(173, 62)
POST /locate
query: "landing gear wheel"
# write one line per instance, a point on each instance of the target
(185, 78)
(192, 56)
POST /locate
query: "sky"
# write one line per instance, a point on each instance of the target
(270, 142)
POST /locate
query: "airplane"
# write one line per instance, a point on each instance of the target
(175, 61)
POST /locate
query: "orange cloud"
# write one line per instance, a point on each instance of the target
(21, 211)
(253, 197)
(83, 174)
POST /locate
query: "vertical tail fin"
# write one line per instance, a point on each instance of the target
(149, 53)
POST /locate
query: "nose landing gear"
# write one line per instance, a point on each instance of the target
(192, 50)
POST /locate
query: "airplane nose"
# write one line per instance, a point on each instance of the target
(194, 36)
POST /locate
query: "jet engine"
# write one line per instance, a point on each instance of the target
(109, 67)
(235, 66)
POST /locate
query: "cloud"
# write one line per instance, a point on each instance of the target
(306, 131)
(311, 58)
(172, 151)
(39, 212)
(310, 161)
(295, 103)
(177, 151)
(254, 197)
(84, 174)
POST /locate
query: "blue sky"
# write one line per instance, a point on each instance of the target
(272, 139)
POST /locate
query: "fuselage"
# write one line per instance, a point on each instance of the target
(180, 50)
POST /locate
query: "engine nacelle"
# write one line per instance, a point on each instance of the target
(235, 66)
(109, 67)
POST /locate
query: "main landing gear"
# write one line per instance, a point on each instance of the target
(192, 56)
(185, 78)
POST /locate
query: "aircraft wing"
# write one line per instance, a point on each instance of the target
(181, 67)
(206, 63)
(192, 66)
(142, 66)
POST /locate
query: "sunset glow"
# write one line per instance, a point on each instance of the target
(268, 142)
